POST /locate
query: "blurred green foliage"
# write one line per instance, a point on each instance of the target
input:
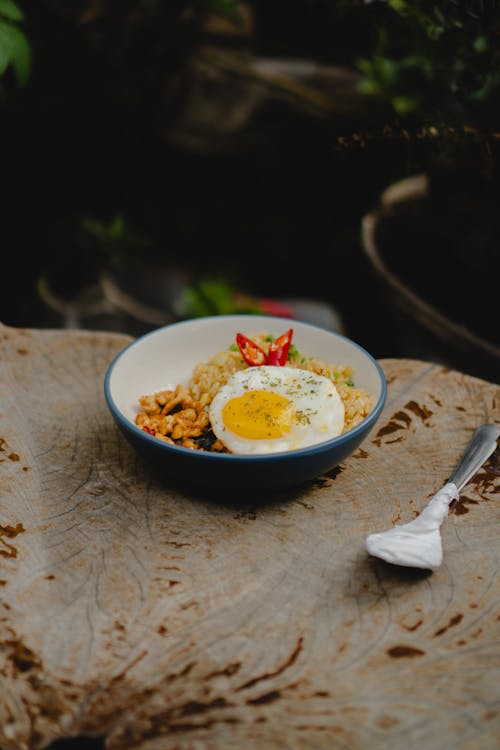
(437, 63)
(216, 296)
(223, 7)
(15, 51)
(108, 79)
(113, 241)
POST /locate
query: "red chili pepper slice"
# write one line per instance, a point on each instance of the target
(250, 351)
(149, 430)
(278, 351)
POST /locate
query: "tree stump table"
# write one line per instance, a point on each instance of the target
(157, 619)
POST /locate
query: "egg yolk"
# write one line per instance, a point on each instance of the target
(258, 414)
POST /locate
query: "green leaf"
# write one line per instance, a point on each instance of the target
(224, 7)
(106, 232)
(481, 44)
(417, 62)
(117, 228)
(385, 70)
(372, 88)
(5, 56)
(398, 5)
(22, 57)
(490, 87)
(9, 9)
(403, 105)
(14, 50)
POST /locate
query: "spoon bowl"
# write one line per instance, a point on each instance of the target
(417, 544)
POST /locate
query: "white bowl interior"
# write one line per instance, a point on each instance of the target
(166, 357)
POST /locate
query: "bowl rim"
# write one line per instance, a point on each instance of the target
(173, 449)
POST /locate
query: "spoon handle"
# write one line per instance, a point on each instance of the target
(479, 449)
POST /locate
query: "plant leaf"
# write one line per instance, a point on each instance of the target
(9, 9)
(15, 50)
(5, 54)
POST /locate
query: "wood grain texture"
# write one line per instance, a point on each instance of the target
(159, 619)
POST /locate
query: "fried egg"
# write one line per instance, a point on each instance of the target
(271, 409)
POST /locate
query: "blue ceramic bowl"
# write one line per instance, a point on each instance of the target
(166, 357)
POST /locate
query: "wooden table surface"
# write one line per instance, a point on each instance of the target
(158, 619)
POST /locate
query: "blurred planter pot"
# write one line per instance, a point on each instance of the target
(435, 258)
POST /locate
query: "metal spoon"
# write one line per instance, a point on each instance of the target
(417, 544)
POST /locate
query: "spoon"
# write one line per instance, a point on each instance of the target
(417, 544)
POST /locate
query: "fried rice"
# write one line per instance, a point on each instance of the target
(181, 416)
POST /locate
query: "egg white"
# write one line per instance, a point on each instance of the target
(318, 408)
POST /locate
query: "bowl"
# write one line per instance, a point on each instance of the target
(166, 357)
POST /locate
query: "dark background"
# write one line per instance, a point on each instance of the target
(117, 120)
